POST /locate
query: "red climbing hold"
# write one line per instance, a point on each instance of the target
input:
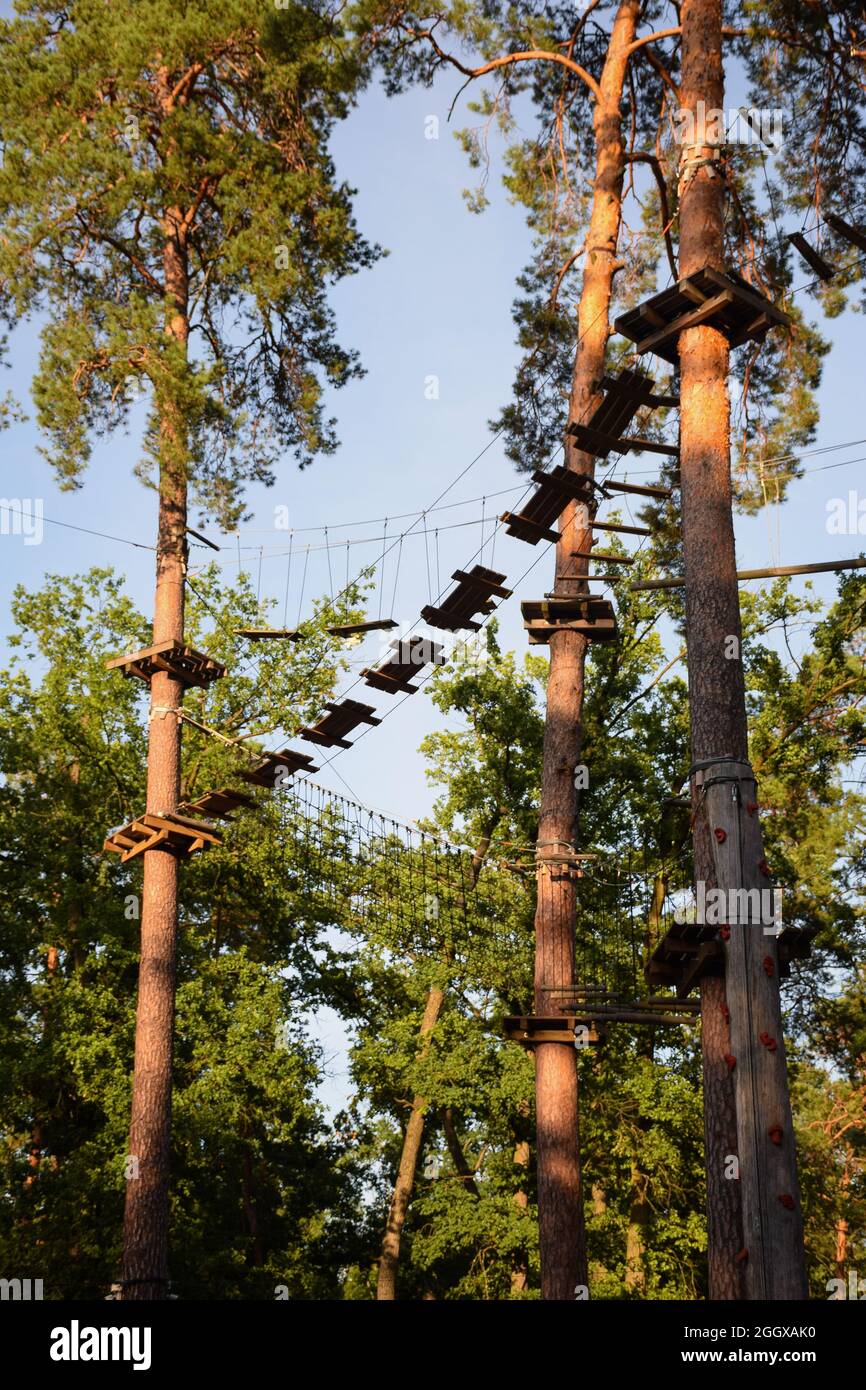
(742, 1255)
(725, 1012)
(775, 1133)
(769, 967)
(725, 933)
(765, 868)
(768, 1041)
(731, 1061)
(751, 807)
(720, 834)
(787, 1200)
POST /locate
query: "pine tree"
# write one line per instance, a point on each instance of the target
(167, 201)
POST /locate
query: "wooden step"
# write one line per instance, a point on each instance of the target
(605, 555)
(639, 489)
(856, 235)
(823, 269)
(593, 441)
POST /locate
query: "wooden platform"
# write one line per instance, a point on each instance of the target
(724, 301)
(474, 594)
(410, 655)
(180, 835)
(590, 615)
(689, 951)
(330, 731)
(265, 772)
(183, 663)
(528, 1029)
(218, 803)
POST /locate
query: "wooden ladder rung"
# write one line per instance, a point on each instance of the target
(812, 257)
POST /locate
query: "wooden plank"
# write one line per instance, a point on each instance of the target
(855, 235)
(625, 530)
(261, 634)
(605, 555)
(487, 584)
(772, 572)
(527, 530)
(822, 268)
(639, 490)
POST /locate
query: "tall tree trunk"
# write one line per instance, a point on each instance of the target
(560, 1208)
(772, 1253)
(145, 1230)
(386, 1287)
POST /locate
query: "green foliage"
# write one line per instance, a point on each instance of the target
(198, 136)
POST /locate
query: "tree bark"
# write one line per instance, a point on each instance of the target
(560, 1208)
(146, 1218)
(635, 1237)
(772, 1254)
(386, 1287)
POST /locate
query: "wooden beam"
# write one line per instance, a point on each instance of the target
(772, 572)
(812, 257)
(855, 235)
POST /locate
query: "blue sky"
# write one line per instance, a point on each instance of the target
(438, 305)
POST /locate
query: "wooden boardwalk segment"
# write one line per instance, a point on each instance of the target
(689, 951)
(180, 835)
(274, 767)
(183, 663)
(555, 490)
(474, 594)
(602, 434)
(330, 731)
(724, 301)
(591, 615)
(395, 675)
(220, 803)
